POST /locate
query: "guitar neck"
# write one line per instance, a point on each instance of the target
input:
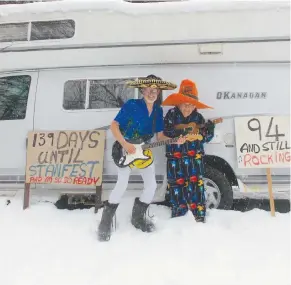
(156, 144)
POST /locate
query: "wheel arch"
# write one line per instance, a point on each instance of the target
(223, 166)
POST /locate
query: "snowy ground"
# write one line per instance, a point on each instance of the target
(47, 246)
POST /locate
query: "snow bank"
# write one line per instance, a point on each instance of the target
(46, 246)
(144, 8)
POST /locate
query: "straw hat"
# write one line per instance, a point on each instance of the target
(152, 81)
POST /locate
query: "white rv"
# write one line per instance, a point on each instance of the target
(63, 66)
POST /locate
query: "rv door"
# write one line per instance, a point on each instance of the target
(17, 96)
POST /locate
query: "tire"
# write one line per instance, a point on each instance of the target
(224, 187)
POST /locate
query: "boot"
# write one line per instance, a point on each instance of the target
(200, 219)
(200, 213)
(104, 229)
(138, 219)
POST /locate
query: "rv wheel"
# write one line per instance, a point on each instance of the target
(218, 189)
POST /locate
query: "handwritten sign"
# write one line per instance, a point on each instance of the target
(65, 157)
(263, 141)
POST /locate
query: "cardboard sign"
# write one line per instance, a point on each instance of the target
(263, 141)
(65, 157)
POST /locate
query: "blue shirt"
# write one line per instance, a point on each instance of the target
(135, 122)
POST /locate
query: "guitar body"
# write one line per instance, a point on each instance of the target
(140, 159)
(143, 163)
(143, 156)
(194, 128)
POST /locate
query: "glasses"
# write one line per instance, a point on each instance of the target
(189, 106)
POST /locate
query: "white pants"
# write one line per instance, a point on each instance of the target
(149, 179)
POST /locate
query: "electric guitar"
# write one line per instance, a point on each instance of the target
(143, 156)
(194, 128)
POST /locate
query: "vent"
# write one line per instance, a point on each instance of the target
(153, 1)
(212, 48)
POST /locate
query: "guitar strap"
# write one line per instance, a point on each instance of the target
(147, 138)
(154, 121)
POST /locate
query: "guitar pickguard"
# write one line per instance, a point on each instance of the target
(140, 159)
(141, 164)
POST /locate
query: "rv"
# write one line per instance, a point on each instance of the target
(63, 66)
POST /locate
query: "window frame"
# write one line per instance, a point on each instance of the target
(63, 20)
(17, 24)
(27, 99)
(63, 93)
(29, 31)
(88, 96)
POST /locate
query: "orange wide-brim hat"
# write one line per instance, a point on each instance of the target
(188, 93)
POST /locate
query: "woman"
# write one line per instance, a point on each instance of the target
(138, 119)
(185, 161)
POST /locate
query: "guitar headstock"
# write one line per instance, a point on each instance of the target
(217, 121)
(194, 137)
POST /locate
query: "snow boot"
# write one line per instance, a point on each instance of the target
(200, 219)
(104, 229)
(138, 219)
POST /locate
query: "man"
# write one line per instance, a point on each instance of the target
(137, 119)
(185, 161)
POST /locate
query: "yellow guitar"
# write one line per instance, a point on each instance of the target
(143, 156)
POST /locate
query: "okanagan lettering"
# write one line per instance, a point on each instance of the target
(227, 95)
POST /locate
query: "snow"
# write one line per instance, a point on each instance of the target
(44, 245)
(142, 8)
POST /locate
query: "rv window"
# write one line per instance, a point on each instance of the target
(14, 92)
(13, 32)
(75, 95)
(109, 93)
(101, 94)
(51, 30)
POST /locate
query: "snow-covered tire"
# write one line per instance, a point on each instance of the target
(221, 185)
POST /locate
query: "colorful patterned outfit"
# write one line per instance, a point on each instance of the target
(185, 165)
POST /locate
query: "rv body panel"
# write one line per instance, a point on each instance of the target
(136, 25)
(257, 52)
(240, 63)
(221, 86)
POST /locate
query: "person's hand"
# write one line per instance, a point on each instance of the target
(181, 140)
(129, 148)
(210, 126)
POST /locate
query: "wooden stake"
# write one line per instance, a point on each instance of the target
(98, 192)
(98, 198)
(272, 203)
(26, 196)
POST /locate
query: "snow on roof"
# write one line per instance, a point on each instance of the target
(141, 8)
